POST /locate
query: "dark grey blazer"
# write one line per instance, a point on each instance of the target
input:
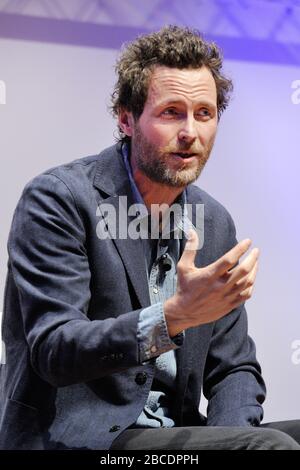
(72, 377)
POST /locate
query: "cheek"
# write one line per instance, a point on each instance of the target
(163, 134)
(150, 131)
(207, 134)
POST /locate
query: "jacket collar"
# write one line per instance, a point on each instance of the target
(111, 175)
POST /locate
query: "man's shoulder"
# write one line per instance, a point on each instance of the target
(78, 173)
(85, 165)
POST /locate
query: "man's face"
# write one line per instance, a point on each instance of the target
(172, 139)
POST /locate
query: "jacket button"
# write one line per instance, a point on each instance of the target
(141, 378)
(115, 428)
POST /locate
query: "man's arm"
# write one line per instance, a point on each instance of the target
(49, 262)
(232, 381)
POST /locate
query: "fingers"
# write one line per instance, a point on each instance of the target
(247, 292)
(230, 259)
(243, 285)
(249, 280)
(244, 269)
(244, 289)
(188, 256)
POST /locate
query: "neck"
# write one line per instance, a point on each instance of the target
(153, 192)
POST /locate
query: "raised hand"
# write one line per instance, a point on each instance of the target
(204, 295)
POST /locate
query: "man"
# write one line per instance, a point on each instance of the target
(110, 338)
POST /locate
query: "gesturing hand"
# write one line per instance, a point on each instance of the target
(204, 295)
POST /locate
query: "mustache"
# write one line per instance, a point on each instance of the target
(190, 149)
(184, 147)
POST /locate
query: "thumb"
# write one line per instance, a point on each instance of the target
(189, 253)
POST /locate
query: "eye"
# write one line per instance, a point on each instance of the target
(203, 113)
(170, 112)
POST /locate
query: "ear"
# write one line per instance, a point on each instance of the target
(126, 122)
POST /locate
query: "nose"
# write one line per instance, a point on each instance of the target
(187, 134)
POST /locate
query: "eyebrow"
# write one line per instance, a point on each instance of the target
(170, 102)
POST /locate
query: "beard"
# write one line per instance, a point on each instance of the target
(161, 166)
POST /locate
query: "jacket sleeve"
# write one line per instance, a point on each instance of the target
(48, 258)
(233, 384)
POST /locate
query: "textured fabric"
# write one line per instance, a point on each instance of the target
(290, 427)
(207, 438)
(155, 339)
(73, 377)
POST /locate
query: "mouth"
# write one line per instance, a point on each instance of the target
(184, 155)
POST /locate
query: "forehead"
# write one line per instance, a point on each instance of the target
(188, 84)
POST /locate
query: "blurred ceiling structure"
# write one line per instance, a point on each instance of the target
(258, 30)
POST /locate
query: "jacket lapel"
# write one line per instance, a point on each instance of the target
(112, 180)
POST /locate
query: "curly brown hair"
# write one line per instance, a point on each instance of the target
(174, 47)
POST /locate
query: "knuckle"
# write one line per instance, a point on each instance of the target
(244, 270)
(224, 264)
(224, 278)
(229, 262)
(220, 286)
(241, 298)
(246, 294)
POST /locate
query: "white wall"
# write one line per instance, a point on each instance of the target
(255, 173)
(56, 110)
